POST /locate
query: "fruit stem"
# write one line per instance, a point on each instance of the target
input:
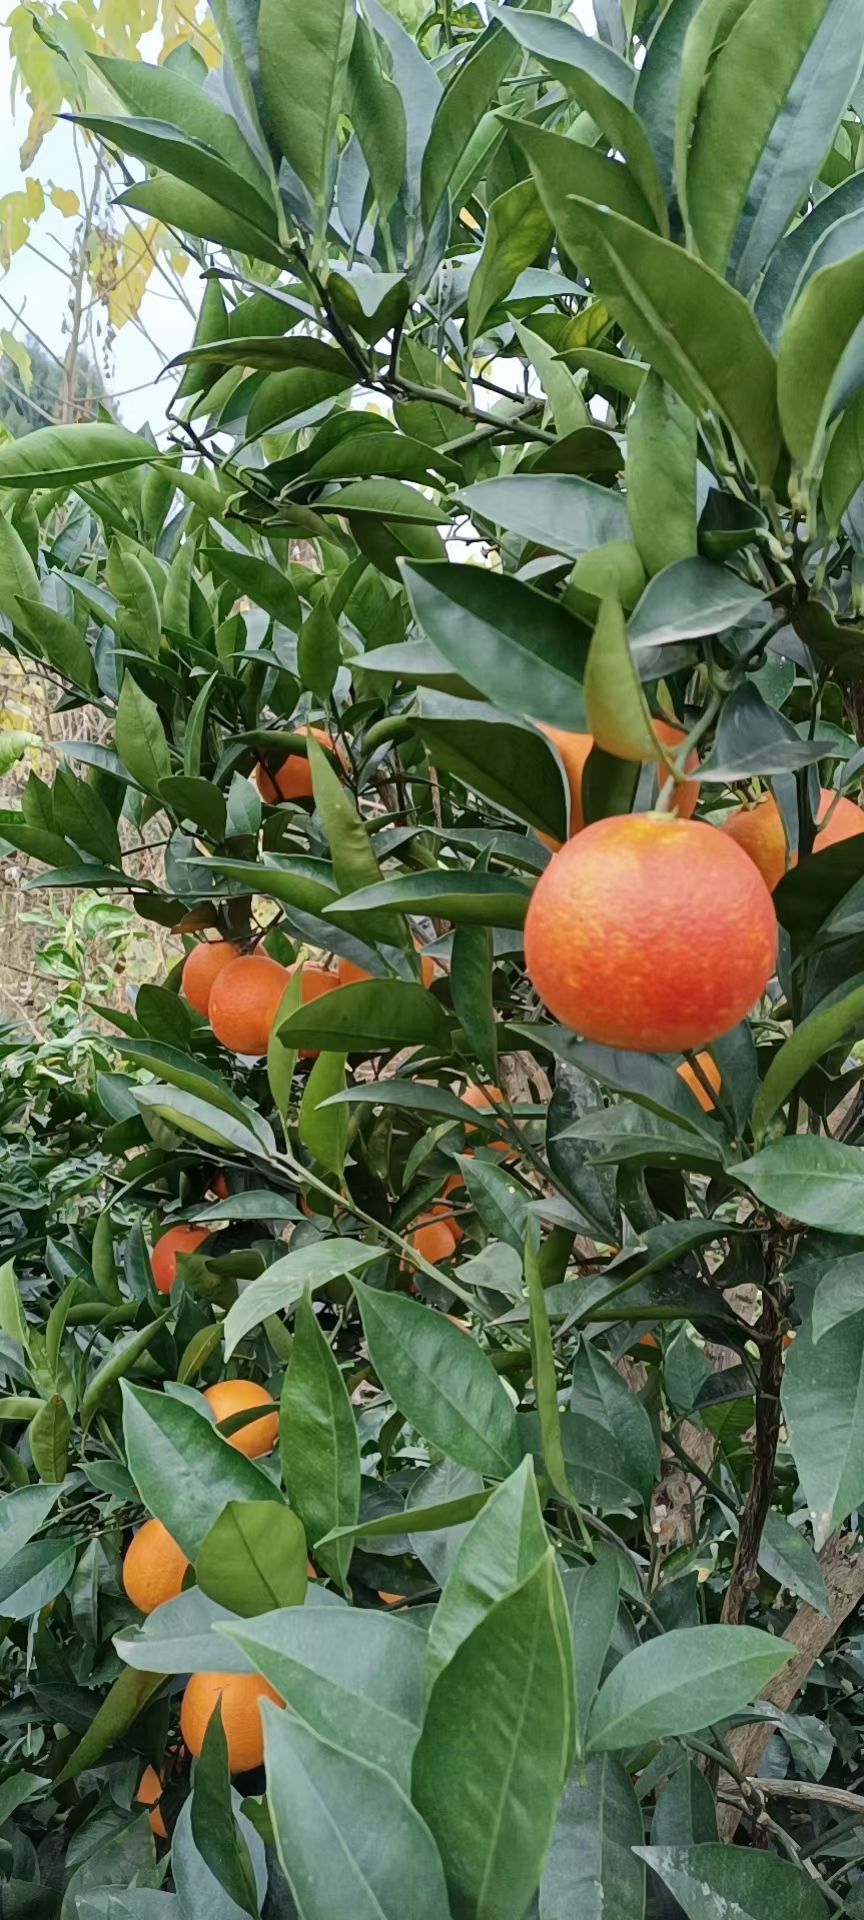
(676, 763)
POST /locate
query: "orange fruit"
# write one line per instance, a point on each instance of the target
(434, 1240)
(692, 1080)
(293, 780)
(760, 831)
(392, 1599)
(153, 1567)
(237, 1396)
(219, 1186)
(163, 1259)
(480, 1098)
(650, 933)
(148, 1795)
(574, 749)
(244, 1001)
(240, 1696)
(349, 974)
(201, 967)
(315, 982)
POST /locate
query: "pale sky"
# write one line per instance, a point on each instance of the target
(38, 290)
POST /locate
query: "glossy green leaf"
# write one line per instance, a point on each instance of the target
(817, 1181)
(658, 82)
(502, 1546)
(517, 647)
(140, 737)
(598, 1393)
(324, 1131)
(304, 69)
(372, 1016)
(615, 705)
(184, 1471)
(253, 1558)
(712, 1881)
(592, 1869)
(120, 1360)
(35, 1576)
(563, 166)
(557, 510)
(518, 231)
(355, 1676)
(819, 1032)
(661, 476)
(474, 899)
(689, 599)
(839, 1294)
(121, 1706)
(440, 1381)
(510, 1681)
(378, 116)
(58, 639)
(788, 1557)
(56, 456)
(330, 1810)
(179, 1637)
(287, 1279)
(318, 1442)
(465, 99)
(22, 1513)
(140, 620)
(823, 1405)
(217, 1836)
(813, 348)
(471, 991)
(592, 1595)
(48, 1435)
(697, 332)
(505, 760)
(682, 1682)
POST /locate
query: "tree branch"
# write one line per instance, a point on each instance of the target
(744, 1575)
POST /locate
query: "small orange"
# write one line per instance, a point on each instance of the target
(244, 1002)
(392, 1599)
(712, 1073)
(148, 1795)
(154, 1567)
(228, 1397)
(759, 830)
(201, 967)
(434, 1240)
(574, 749)
(293, 780)
(240, 1695)
(480, 1098)
(163, 1259)
(441, 1210)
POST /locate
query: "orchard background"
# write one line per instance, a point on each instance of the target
(432, 1206)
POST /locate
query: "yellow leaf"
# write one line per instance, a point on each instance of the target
(18, 210)
(65, 200)
(16, 351)
(41, 122)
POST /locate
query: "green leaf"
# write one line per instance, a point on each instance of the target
(689, 599)
(121, 1706)
(501, 1548)
(783, 81)
(592, 1595)
(196, 800)
(178, 1637)
(818, 1181)
(661, 476)
(48, 1435)
(304, 70)
(318, 1442)
(543, 1370)
(712, 1881)
(58, 456)
(503, 759)
(511, 1683)
(443, 1384)
(166, 199)
(472, 899)
(81, 814)
(698, 333)
(12, 1317)
(140, 737)
(598, 1393)
(557, 510)
(372, 1016)
(35, 1576)
(324, 1129)
(518, 232)
(592, 1870)
(355, 1676)
(327, 1808)
(378, 117)
(681, 1682)
(253, 1558)
(217, 1836)
(58, 639)
(839, 1294)
(616, 707)
(470, 92)
(685, 1811)
(128, 578)
(516, 646)
(788, 1557)
(354, 863)
(471, 992)
(602, 82)
(22, 1513)
(318, 652)
(18, 577)
(562, 166)
(282, 1060)
(844, 463)
(823, 1405)
(184, 1471)
(813, 349)
(284, 1283)
(263, 584)
(819, 1032)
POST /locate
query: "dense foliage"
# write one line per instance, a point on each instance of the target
(515, 1444)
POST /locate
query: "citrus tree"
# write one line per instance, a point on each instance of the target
(433, 1439)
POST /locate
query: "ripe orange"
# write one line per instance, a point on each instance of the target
(163, 1259)
(650, 933)
(240, 1695)
(434, 1240)
(480, 1098)
(148, 1795)
(759, 830)
(200, 969)
(692, 1080)
(236, 1396)
(574, 749)
(153, 1567)
(244, 1000)
(349, 974)
(293, 781)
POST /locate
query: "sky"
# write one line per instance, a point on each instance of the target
(36, 286)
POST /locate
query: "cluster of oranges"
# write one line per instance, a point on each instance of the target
(656, 932)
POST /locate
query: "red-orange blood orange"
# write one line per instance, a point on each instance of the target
(650, 933)
(244, 1000)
